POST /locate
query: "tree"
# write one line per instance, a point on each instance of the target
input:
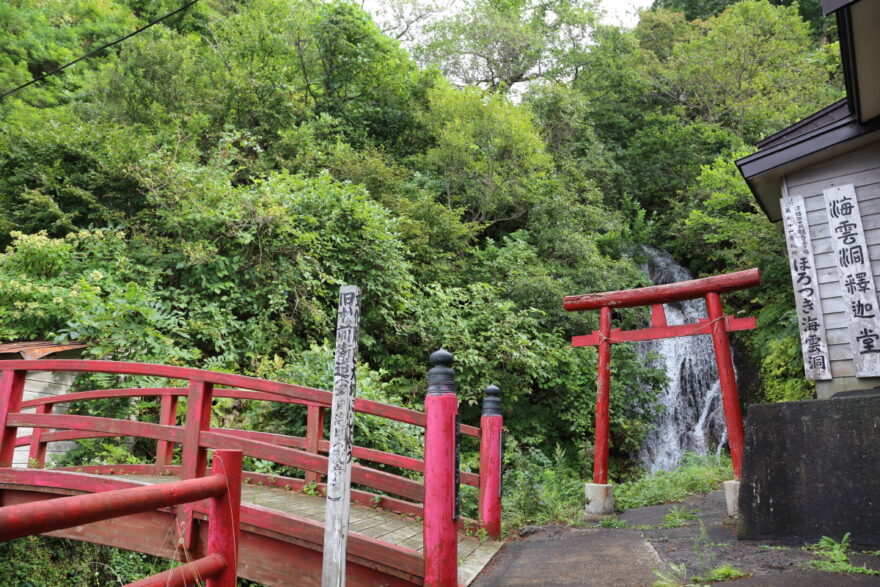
(749, 70)
(487, 153)
(497, 44)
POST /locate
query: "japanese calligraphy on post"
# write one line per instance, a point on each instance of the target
(817, 364)
(341, 428)
(856, 279)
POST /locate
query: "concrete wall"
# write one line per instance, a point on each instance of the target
(812, 469)
(862, 169)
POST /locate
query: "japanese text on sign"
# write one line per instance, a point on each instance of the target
(854, 268)
(814, 346)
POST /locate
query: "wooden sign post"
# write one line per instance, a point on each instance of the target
(856, 277)
(341, 430)
(814, 345)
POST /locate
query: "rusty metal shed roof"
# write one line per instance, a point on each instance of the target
(37, 349)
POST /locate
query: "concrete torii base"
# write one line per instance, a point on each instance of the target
(731, 496)
(600, 499)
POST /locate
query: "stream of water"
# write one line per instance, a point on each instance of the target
(692, 418)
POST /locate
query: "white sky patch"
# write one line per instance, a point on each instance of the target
(617, 12)
(623, 12)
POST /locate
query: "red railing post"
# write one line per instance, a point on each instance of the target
(37, 452)
(11, 390)
(314, 435)
(491, 461)
(194, 458)
(603, 385)
(223, 520)
(440, 534)
(727, 377)
(168, 417)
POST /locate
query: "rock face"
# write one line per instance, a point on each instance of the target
(812, 469)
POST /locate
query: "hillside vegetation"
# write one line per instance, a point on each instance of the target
(196, 194)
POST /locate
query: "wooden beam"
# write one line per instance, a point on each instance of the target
(704, 326)
(664, 294)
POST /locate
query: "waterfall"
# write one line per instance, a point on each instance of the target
(692, 417)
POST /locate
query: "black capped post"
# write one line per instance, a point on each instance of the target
(441, 377)
(492, 401)
(441, 419)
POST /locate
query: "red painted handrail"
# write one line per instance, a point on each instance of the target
(196, 436)
(223, 488)
(364, 406)
(257, 517)
(292, 451)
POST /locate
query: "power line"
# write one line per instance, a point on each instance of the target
(99, 49)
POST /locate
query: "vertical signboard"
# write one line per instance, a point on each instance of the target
(341, 428)
(856, 278)
(814, 346)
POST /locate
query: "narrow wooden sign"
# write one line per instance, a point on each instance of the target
(341, 430)
(814, 345)
(856, 278)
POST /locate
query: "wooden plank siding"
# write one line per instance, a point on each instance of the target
(862, 170)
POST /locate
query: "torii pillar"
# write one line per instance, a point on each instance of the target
(600, 494)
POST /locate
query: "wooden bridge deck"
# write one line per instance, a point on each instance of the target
(473, 553)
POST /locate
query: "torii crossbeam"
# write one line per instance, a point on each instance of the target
(717, 324)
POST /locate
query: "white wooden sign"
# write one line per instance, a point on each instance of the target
(341, 430)
(814, 345)
(856, 279)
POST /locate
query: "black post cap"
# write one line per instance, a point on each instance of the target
(492, 401)
(441, 377)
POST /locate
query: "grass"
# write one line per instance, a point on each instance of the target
(696, 474)
(613, 523)
(678, 516)
(835, 557)
(719, 574)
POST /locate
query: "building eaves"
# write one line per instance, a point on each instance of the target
(787, 149)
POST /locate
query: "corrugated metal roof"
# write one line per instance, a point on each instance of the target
(36, 349)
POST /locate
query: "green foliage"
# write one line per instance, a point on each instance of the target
(676, 576)
(612, 523)
(760, 77)
(486, 153)
(696, 474)
(499, 44)
(197, 194)
(721, 573)
(678, 516)
(84, 287)
(835, 557)
(540, 489)
(41, 561)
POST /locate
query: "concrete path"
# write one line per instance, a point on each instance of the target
(574, 556)
(627, 557)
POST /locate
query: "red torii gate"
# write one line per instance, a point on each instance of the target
(718, 325)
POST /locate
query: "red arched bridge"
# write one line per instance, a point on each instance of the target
(281, 525)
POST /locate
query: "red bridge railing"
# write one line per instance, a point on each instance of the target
(196, 436)
(223, 488)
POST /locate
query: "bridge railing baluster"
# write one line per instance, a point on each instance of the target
(168, 417)
(314, 436)
(194, 457)
(11, 391)
(37, 451)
